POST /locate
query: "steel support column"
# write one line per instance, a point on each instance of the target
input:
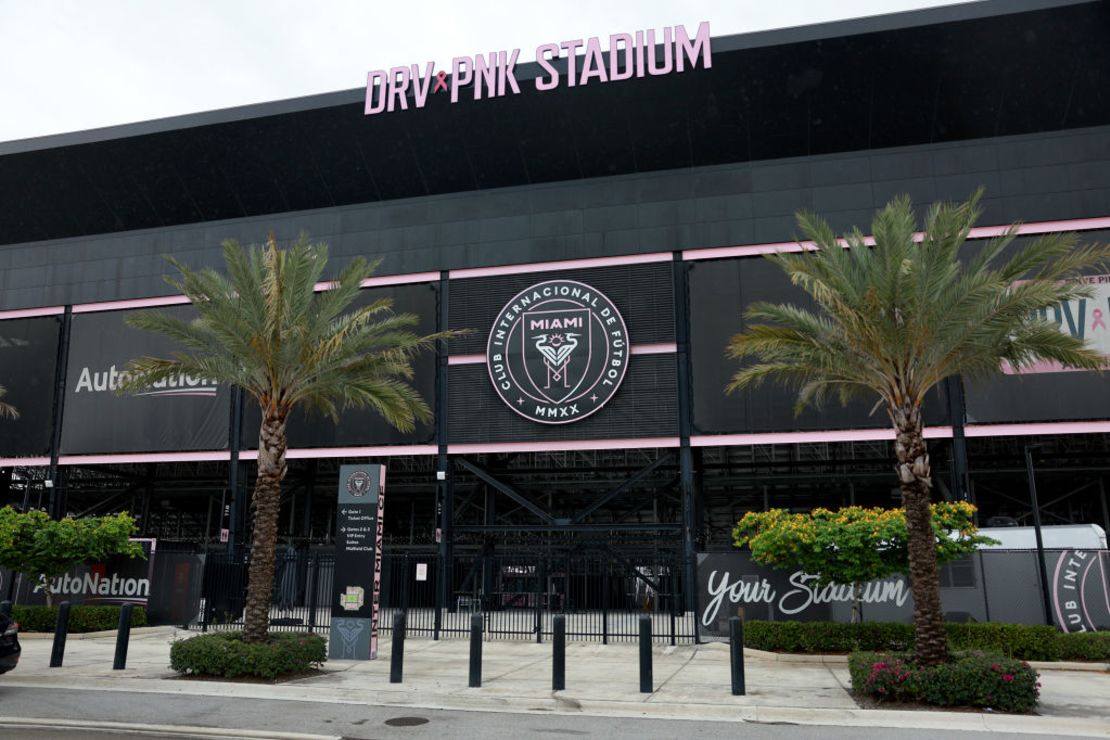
(680, 274)
(444, 494)
(56, 503)
(236, 524)
(957, 415)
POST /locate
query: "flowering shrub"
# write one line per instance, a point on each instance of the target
(968, 679)
(890, 679)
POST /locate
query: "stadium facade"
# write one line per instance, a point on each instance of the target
(655, 193)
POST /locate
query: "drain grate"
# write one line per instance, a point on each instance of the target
(406, 721)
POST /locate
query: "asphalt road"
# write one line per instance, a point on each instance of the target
(367, 722)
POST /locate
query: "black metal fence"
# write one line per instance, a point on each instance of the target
(602, 594)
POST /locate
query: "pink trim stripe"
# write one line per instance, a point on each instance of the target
(630, 259)
(384, 451)
(378, 282)
(1034, 429)
(28, 462)
(169, 300)
(26, 313)
(979, 232)
(838, 435)
(660, 348)
(145, 457)
(466, 360)
(567, 445)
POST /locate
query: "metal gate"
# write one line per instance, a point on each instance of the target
(601, 593)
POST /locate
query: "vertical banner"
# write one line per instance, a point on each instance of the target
(356, 585)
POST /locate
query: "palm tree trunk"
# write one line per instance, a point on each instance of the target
(930, 638)
(266, 503)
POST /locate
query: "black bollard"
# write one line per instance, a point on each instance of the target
(559, 654)
(123, 637)
(60, 629)
(645, 655)
(397, 657)
(736, 654)
(6, 608)
(476, 650)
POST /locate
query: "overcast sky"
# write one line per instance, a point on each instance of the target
(68, 65)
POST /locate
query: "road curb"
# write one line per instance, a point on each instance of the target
(167, 730)
(568, 703)
(168, 631)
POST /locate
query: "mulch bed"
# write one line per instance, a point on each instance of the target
(311, 673)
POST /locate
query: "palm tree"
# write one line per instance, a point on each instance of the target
(6, 409)
(266, 329)
(895, 319)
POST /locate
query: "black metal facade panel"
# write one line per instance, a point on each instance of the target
(28, 355)
(720, 290)
(1010, 73)
(183, 414)
(646, 405)
(365, 427)
(644, 294)
(1049, 176)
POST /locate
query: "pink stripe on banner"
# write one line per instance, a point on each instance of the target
(840, 435)
(1029, 430)
(466, 360)
(979, 232)
(630, 259)
(169, 300)
(568, 445)
(660, 348)
(27, 462)
(145, 457)
(26, 313)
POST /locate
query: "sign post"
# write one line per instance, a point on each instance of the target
(356, 586)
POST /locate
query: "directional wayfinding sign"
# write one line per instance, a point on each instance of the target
(358, 571)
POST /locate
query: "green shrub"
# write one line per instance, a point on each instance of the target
(1020, 641)
(969, 679)
(1084, 646)
(225, 654)
(81, 618)
(827, 637)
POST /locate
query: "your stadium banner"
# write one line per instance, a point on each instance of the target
(989, 586)
(182, 413)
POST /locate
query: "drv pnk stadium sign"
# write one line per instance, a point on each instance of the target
(493, 75)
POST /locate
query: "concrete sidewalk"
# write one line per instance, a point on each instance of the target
(691, 682)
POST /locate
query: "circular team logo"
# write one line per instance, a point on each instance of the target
(557, 352)
(358, 483)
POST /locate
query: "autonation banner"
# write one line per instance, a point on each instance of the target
(118, 580)
(181, 413)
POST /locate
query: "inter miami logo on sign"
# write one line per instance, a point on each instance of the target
(558, 351)
(358, 484)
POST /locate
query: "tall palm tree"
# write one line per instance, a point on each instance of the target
(266, 329)
(6, 409)
(895, 319)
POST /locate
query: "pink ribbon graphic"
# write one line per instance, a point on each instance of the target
(1097, 319)
(441, 82)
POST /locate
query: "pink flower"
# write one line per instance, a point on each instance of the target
(1008, 677)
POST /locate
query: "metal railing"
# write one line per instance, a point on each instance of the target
(602, 595)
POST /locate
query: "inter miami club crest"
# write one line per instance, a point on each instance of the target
(358, 484)
(558, 351)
